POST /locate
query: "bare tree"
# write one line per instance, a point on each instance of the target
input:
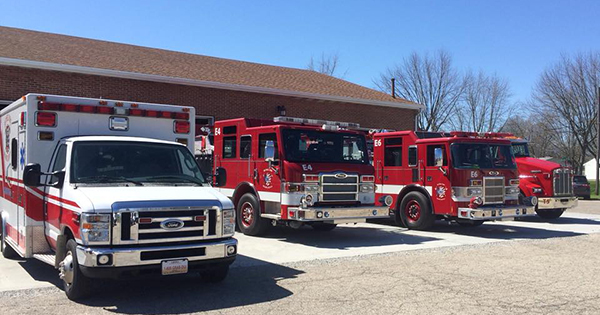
(485, 105)
(428, 80)
(567, 90)
(327, 64)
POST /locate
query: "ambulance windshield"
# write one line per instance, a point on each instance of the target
(136, 163)
(322, 146)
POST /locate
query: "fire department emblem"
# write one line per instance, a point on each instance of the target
(267, 178)
(440, 191)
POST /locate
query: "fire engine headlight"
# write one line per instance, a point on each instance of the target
(365, 188)
(309, 199)
(95, 228)
(512, 190)
(311, 188)
(537, 190)
(386, 200)
(474, 192)
(228, 221)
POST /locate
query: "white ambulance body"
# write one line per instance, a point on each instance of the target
(99, 188)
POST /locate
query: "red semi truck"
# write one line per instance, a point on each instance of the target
(550, 182)
(461, 176)
(295, 171)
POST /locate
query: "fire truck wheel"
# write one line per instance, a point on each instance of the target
(319, 226)
(7, 251)
(415, 211)
(216, 275)
(469, 223)
(550, 213)
(248, 216)
(75, 283)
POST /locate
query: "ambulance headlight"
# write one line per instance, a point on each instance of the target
(95, 228)
(228, 221)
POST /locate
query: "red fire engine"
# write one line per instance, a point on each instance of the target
(551, 183)
(295, 171)
(466, 177)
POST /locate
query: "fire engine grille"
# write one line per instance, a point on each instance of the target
(562, 182)
(493, 190)
(339, 187)
(147, 226)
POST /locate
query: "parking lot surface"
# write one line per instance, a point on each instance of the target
(528, 266)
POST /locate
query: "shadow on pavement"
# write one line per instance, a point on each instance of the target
(346, 237)
(561, 220)
(501, 231)
(40, 271)
(189, 294)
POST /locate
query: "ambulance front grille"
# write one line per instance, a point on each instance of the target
(148, 226)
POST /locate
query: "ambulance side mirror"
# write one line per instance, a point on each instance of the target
(32, 175)
(220, 177)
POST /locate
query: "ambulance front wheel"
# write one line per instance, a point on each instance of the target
(75, 283)
(7, 251)
(248, 216)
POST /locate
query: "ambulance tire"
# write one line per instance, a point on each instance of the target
(415, 211)
(319, 226)
(7, 251)
(248, 216)
(80, 285)
(216, 275)
(550, 214)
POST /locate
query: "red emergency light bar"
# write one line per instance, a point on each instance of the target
(134, 111)
(481, 135)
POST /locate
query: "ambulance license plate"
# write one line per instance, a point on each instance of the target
(174, 267)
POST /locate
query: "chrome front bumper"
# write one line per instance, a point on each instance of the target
(557, 202)
(496, 213)
(132, 256)
(339, 215)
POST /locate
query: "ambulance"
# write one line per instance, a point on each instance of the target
(108, 189)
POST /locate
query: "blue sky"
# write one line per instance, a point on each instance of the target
(514, 39)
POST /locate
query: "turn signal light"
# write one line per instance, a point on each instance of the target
(367, 178)
(182, 126)
(311, 178)
(45, 119)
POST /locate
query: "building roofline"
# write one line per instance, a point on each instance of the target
(200, 83)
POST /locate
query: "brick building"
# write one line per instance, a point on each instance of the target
(37, 62)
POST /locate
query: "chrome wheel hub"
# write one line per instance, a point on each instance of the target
(66, 268)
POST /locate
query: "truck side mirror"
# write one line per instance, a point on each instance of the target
(220, 177)
(32, 175)
(438, 157)
(269, 151)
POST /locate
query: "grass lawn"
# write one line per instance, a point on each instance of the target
(593, 190)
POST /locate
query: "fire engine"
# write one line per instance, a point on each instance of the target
(551, 183)
(101, 188)
(295, 171)
(460, 176)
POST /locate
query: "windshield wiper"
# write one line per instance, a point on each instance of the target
(108, 179)
(173, 177)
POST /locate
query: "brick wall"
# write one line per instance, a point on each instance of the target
(222, 104)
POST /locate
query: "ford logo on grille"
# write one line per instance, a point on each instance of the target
(172, 224)
(340, 175)
(494, 173)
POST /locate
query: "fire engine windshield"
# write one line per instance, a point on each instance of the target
(482, 155)
(321, 146)
(520, 149)
(133, 163)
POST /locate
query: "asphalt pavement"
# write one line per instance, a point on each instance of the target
(528, 266)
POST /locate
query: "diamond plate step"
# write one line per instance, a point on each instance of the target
(47, 258)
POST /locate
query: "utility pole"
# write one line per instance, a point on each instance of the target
(598, 143)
